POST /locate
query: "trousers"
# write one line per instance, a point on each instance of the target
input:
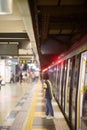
(49, 108)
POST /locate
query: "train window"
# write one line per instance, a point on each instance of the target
(54, 79)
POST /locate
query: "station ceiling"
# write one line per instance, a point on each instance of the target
(43, 28)
(16, 27)
(58, 24)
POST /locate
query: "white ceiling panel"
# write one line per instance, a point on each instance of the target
(12, 26)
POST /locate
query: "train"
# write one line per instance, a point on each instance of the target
(68, 75)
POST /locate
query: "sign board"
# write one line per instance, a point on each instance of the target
(8, 49)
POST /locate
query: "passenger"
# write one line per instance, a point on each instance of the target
(17, 77)
(12, 78)
(0, 81)
(20, 77)
(48, 96)
(24, 74)
(36, 75)
(33, 76)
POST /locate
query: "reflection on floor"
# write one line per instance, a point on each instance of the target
(10, 94)
(22, 108)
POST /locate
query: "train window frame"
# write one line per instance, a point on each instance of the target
(74, 90)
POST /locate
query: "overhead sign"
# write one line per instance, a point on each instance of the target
(8, 49)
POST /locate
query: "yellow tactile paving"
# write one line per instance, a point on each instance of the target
(1, 120)
(39, 114)
(40, 98)
(32, 110)
(40, 93)
(39, 129)
(40, 104)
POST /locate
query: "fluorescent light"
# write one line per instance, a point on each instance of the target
(5, 7)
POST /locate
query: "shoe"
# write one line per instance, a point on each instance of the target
(50, 117)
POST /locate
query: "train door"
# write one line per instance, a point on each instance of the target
(60, 89)
(58, 83)
(55, 81)
(64, 85)
(82, 94)
(74, 90)
(68, 90)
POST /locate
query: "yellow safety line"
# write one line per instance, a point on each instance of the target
(40, 104)
(40, 97)
(39, 129)
(39, 114)
(32, 111)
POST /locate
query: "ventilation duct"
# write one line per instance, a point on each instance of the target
(52, 47)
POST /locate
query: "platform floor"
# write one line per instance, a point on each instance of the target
(22, 107)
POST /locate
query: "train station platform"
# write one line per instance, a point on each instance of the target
(22, 107)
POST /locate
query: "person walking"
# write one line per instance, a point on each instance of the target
(0, 81)
(20, 77)
(47, 86)
(12, 78)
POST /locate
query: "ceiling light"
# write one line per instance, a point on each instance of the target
(5, 7)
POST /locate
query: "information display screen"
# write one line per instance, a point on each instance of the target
(8, 49)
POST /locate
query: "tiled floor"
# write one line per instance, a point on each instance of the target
(57, 123)
(10, 96)
(20, 104)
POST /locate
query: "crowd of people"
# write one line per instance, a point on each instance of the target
(23, 76)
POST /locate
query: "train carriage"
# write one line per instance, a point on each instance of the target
(69, 79)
